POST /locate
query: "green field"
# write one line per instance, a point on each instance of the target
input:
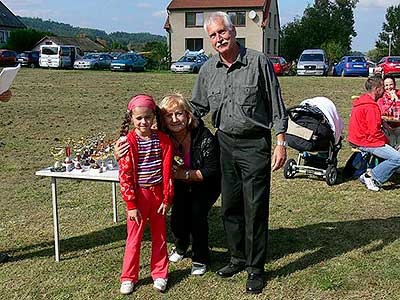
(339, 242)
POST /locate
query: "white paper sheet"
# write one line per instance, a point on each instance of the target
(7, 76)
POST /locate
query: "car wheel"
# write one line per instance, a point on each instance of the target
(130, 69)
(32, 66)
(96, 67)
(195, 70)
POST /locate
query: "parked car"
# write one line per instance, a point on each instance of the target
(388, 65)
(371, 68)
(312, 62)
(8, 58)
(191, 62)
(351, 66)
(128, 62)
(29, 59)
(281, 66)
(94, 61)
(59, 56)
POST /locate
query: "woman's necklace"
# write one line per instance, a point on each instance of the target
(180, 142)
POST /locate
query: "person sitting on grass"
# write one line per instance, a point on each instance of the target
(366, 134)
(145, 177)
(389, 104)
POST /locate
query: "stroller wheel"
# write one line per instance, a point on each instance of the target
(331, 175)
(289, 169)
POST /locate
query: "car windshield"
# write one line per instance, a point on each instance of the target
(91, 56)
(187, 59)
(394, 59)
(50, 50)
(357, 59)
(274, 60)
(125, 56)
(23, 54)
(312, 57)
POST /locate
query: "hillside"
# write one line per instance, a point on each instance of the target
(62, 29)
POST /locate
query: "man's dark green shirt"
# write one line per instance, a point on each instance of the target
(244, 99)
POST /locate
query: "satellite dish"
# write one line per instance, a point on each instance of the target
(252, 14)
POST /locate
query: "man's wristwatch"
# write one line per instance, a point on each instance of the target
(187, 174)
(282, 143)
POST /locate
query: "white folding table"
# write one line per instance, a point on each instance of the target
(109, 175)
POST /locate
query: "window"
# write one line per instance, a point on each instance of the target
(241, 41)
(194, 19)
(275, 22)
(238, 18)
(275, 46)
(50, 50)
(2, 36)
(268, 46)
(194, 44)
(269, 19)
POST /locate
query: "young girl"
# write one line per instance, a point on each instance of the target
(146, 187)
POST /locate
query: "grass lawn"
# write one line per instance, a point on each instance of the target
(325, 242)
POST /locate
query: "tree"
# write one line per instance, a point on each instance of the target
(375, 54)
(157, 54)
(334, 51)
(391, 25)
(325, 22)
(24, 39)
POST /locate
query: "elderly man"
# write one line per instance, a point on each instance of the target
(239, 87)
(366, 134)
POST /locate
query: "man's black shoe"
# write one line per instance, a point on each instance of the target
(4, 258)
(255, 283)
(230, 270)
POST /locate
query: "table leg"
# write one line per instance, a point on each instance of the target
(114, 202)
(55, 218)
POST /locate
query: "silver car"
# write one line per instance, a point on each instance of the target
(191, 62)
(94, 61)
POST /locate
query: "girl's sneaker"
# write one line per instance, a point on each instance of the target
(127, 287)
(160, 284)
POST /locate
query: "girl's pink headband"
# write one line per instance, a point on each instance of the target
(143, 101)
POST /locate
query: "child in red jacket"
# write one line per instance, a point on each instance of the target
(147, 188)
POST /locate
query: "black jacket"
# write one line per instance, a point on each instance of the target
(204, 156)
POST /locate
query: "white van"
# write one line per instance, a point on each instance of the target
(59, 56)
(312, 62)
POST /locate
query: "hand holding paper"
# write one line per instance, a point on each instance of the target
(7, 76)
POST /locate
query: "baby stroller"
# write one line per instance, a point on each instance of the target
(314, 130)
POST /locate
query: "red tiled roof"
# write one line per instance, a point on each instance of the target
(182, 4)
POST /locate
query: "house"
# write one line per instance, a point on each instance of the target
(8, 23)
(256, 21)
(84, 43)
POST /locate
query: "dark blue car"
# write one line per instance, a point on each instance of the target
(128, 62)
(351, 66)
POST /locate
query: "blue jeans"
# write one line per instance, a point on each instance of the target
(391, 164)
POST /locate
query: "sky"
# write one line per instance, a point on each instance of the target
(149, 15)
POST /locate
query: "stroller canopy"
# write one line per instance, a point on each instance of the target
(328, 108)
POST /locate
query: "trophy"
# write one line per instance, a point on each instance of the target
(57, 153)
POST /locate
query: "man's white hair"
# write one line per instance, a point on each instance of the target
(213, 17)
